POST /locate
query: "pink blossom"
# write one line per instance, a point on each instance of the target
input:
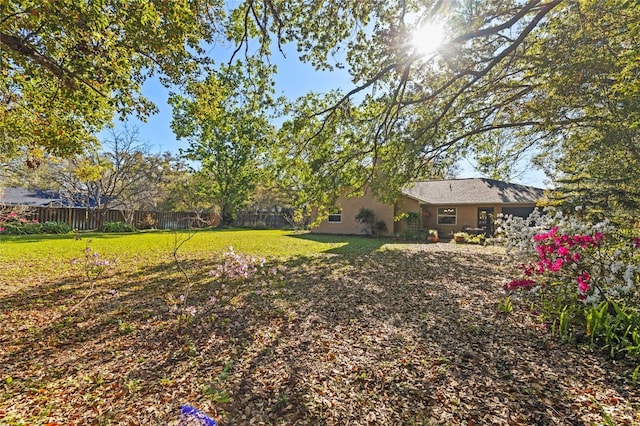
(557, 264)
(583, 282)
(564, 251)
(539, 237)
(515, 284)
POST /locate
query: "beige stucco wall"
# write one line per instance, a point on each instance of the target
(405, 205)
(467, 215)
(350, 208)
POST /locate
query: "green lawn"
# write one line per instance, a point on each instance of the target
(23, 255)
(268, 243)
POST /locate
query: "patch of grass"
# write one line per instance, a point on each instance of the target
(33, 257)
(271, 243)
(345, 244)
(133, 385)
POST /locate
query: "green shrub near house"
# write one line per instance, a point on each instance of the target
(51, 227)
(366, 217)
(380, 227)
(32, 227)
(466, 238)
(117, 227)
(460, 237)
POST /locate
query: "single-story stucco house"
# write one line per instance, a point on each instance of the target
(448, 206)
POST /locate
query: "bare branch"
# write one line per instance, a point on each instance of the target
(499, 58)
(358, 89)
(68, 77)
(245, 35)
(16, 44)
(497, 28)
(22, 12)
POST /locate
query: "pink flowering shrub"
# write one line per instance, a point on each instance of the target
(237, 266)
(233, 272)
(17, 222)
(93, 265)
(568, 268)
(563, 256)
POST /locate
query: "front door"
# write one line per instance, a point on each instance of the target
(485, 219)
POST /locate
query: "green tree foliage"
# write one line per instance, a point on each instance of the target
(563, 72)
(228, 136)
(123, 175)
(71, 64)
(591, 85)
(68, 65)
(410, 115)
(559, 76)
(500, 154)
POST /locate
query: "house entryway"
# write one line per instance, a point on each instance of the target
(485, 219)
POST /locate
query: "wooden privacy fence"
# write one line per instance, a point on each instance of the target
(84, 219)
(270, 220)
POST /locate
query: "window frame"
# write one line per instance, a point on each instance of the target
(441, 212)
(337, 215)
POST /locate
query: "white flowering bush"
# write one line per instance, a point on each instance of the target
(570, 268)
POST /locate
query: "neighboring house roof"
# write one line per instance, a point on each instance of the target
(36, 198)
(26, 197)
(42, 198)
(472, 191)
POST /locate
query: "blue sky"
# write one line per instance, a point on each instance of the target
(294, 79)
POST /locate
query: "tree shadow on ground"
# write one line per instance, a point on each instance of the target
(345, 244)
(395, 337)
(408, 338)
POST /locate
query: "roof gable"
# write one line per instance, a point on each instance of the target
(472, 191)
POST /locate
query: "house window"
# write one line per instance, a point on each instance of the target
(447, 216)
(335, 217)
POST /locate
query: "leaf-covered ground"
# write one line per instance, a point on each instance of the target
(409, 336)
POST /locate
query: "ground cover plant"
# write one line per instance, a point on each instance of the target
(283, 328)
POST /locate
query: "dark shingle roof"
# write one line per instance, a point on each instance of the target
(472, 191)
(26, 197)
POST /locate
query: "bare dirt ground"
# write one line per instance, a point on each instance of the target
(402, 337)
